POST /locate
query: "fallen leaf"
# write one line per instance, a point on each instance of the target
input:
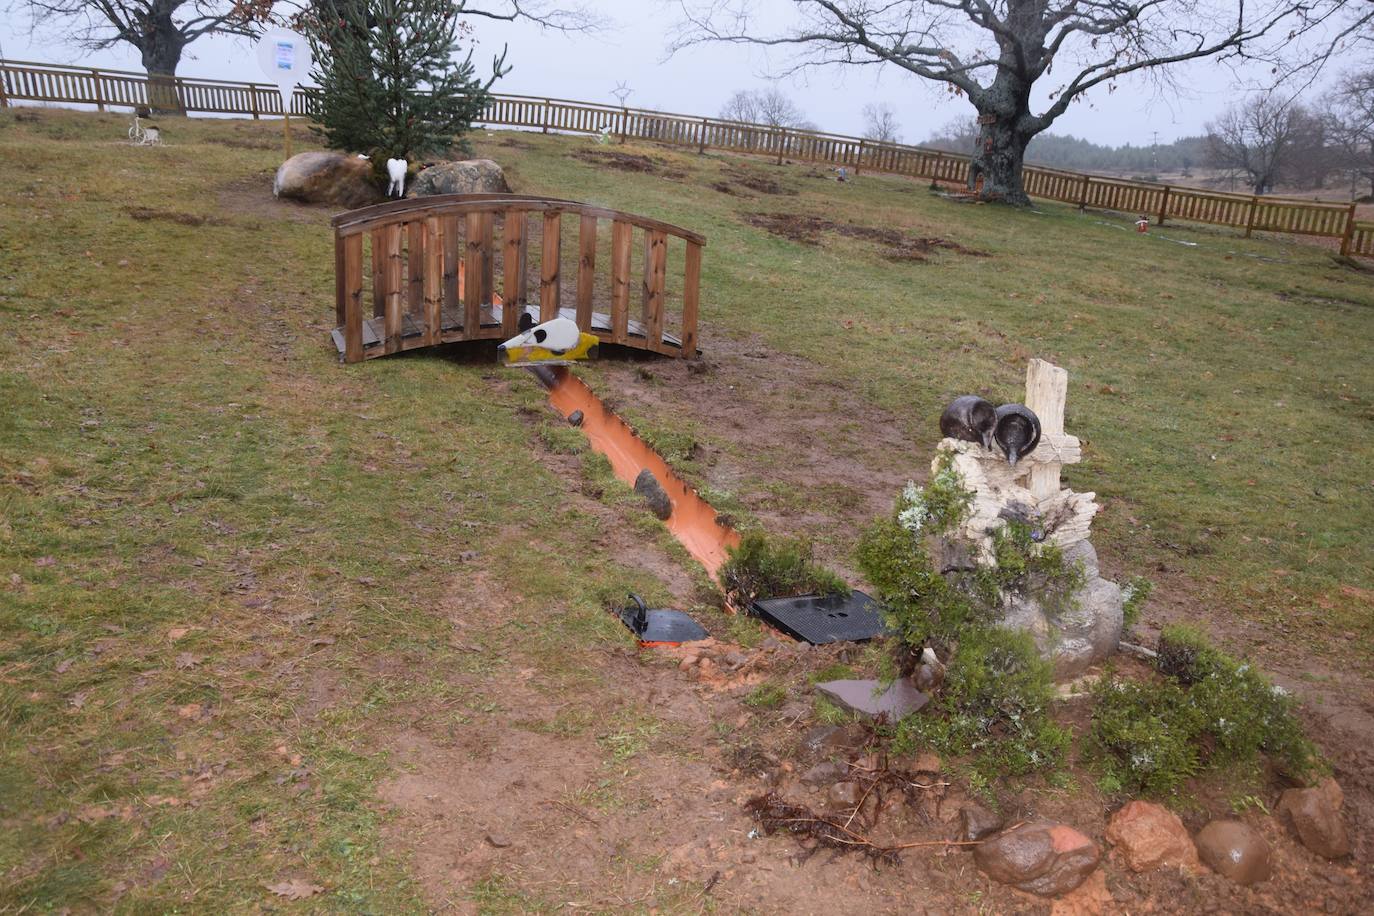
(295, 889)
(186, 660)
(176, 633)
(190, 711)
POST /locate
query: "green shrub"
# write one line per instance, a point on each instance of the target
(1134, 594)
(1144, 736)
(994, 705)
(1184, 654)
(763, 568)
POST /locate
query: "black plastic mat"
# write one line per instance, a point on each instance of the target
(819, 619)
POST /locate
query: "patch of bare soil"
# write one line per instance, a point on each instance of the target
(144, 214)
(754, 182)
(628, 162)
(245, 142)
(252, 197)
(900, 246)
(725, 187)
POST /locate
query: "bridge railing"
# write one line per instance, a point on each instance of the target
(102, 88)
(434, 270)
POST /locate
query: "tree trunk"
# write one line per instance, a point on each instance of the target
(161, 48)
(995, 173)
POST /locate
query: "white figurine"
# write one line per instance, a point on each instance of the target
(396, 168)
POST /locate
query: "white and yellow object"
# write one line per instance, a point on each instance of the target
(556, 342)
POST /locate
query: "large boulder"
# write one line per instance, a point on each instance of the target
(1149, 835)
(327, 178)
(1082, 633)
(1044, 859)
(468, 176)
(1315, 816)
(1236, 850)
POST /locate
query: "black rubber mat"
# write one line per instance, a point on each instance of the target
(660, 626)
(819, 619)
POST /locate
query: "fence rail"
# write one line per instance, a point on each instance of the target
(24, 80)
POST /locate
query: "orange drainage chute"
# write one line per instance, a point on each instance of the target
(693, 521)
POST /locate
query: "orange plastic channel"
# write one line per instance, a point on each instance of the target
(693, 521)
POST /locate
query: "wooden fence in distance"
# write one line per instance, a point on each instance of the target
(431, 266)
(104, 88)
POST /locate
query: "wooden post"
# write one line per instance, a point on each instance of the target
(99, 94)
(1349, 231)
(1254, 209)
(691, 300)
(621, 239)
(432, 236)
(1083, 196)
(286, 127)
(586, 271)
(655, 279)
(782, 143)
(472, 276)
(394, 320)
(1164, 205)
(548, 104)
(701, 146)
(4, 91)
(1047, 388)
(859, 160)
(549, 288)
(353, 298)
(253, 95)
(513, 271)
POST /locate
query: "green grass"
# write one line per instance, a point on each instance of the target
(181, 455)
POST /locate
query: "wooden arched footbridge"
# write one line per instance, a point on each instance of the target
(462, 267)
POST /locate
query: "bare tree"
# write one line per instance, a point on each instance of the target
(958, 136)
(880, 123)
(1349, 118)
(764, 106)
(996, 52)
(1257, 138)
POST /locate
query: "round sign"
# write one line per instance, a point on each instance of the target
(285, 57)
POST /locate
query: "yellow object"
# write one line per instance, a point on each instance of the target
(541, 356)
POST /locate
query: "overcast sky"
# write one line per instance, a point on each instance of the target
(698, 80)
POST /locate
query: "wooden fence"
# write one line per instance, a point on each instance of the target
(432, 264)
(22, 80)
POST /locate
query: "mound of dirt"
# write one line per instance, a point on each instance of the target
(900, 246)
(628, 162)
(760, 183)
(143, 214)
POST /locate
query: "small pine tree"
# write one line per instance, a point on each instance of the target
(390, 80)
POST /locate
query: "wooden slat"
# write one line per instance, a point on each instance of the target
(513, 271)
(378, 273)
(548, 266)
(449, 237)
(472, 276)
(433, 250)
(353, 298)
(586, 271)
(340, 268)
(691, 299)
(622, 235)
(395, 294)
(487, 230)
(655, 282)
(415, 267)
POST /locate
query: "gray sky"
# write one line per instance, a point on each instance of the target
(699, 79)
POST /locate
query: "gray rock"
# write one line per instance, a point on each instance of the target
(1077, 636)
(843, 795)
(823, 774)
(977, 822)
(869, 698)
(467, 176)
(647, 486)
(1315, 816)
(575, 418)
(1044, 859)
(327, 178)
(1236, 850)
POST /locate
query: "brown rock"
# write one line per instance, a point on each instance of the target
(1091, 898)
(1315, 816)
(327, 178)
(1044, 859)
(844, 795)
(467, 176)
(1149, 835)
(977, 822)
(1236, 850)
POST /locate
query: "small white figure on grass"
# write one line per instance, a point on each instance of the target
(603, 134)
(555, 342)
(141, 135)
(396, 168)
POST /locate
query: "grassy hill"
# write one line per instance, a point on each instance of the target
(258, 610)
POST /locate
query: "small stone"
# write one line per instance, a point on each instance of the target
(497, 840)
(1235, 850)
(977, 822)
(844, 795)
(575, 418)
(823, 774)
(1045, 859)
(1149, 835)
(868, 698)
(1315, 816)
(648, 487)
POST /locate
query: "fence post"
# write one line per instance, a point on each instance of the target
(253, 94)
(99, 96)
(1254, 208)
(1164, 205)
(548, 105)
(701, 147)
(1083, 195)
(4, 78)
(782, 143)
(858, 163)
(1349, 231)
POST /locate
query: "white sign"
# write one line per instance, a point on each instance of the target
(285, 57)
